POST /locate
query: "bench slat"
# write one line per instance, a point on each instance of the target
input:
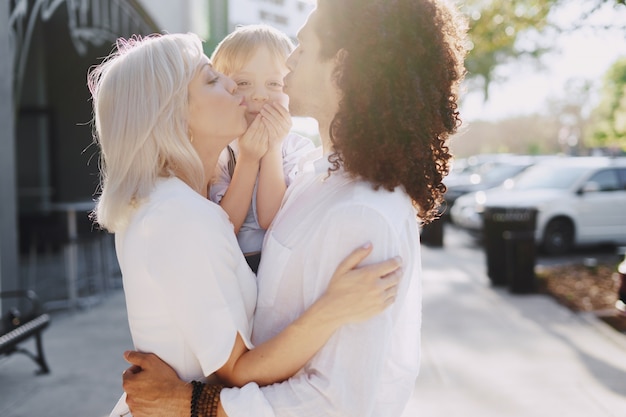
(9, 341)
(24, 331)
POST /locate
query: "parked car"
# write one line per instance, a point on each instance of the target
(462, 169)
(489, 173)
(579, 201)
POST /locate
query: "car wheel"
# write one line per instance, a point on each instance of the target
(558, 237)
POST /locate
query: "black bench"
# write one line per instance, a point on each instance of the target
(18, 325)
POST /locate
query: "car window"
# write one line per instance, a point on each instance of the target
(545, 176)
(606, 179)
(621, 173)
(501, 172)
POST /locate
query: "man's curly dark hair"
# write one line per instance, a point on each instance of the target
(398, 76)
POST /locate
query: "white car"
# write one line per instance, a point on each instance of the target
(579, 201)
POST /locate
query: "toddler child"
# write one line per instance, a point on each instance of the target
(254, 171)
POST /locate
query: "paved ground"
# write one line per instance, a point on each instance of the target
(486, 353)
(84, 351)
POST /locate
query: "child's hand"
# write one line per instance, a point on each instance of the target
(277, 121)
(253, 144)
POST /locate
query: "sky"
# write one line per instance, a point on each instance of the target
(583, 54)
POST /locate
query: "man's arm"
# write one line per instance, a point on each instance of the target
(149, 380)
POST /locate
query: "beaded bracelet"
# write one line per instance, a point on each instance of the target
(205, 399)
(195, 396)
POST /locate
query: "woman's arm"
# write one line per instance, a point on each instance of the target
(353, 295)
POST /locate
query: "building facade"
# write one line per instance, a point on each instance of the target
(49, 164)
(48, 161)
(286, 15)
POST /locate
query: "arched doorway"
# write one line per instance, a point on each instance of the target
(53, 45)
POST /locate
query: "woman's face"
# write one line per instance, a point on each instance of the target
(216, 113)
(261, 81)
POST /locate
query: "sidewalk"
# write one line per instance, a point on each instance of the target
(485, 353)
(84, 350)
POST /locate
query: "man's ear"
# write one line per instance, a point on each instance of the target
(339, 61)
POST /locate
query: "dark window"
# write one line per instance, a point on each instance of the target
(272, 17)
(621, 173)
(606, 179)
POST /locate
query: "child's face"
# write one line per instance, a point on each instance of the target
(261, 81)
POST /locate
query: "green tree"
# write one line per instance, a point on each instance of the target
(608, 121)
(505, 31)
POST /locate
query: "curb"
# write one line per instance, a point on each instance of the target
(604, 329)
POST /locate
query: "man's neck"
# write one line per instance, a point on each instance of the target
(324, 129)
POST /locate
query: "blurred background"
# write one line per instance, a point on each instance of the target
(544, 77)
(546, 82)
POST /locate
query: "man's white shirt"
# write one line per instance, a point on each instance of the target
(365, 369)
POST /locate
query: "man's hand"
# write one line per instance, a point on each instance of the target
(153, 389)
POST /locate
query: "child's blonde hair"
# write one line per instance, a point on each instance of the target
(236, 49)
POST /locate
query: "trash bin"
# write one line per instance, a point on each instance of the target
(432, 233)
(520, 261)
(509, 238)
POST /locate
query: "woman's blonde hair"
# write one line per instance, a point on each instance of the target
(140, 108)
(236, 49)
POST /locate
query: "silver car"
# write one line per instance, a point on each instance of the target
(580, 201)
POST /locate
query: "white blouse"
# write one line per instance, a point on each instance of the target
(365, 369)
(188, 288)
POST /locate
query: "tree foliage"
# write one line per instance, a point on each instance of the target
(504, 31)
(608, 121)
(496, 32)
(531, 134)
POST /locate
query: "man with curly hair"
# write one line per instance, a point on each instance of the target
(381, 78)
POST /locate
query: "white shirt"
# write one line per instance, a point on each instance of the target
(366, 369)
(250, 236)
(188, 288)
